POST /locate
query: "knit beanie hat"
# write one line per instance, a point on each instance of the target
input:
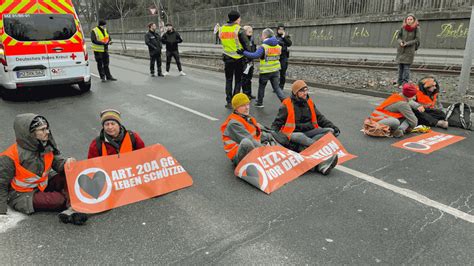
(298, 85)
(110, 114)
(239, 99)
(429, 82)
(233, 15)
(409, 90)
(37, 122)
(102, 23)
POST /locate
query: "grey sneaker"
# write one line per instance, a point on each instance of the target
(325, 167)
(442, 124)
(397, 133)
(259, 105)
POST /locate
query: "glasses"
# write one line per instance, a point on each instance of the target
(304, 90)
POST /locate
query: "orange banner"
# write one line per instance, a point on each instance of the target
(104, 183)
(269, 168)
(427, 143)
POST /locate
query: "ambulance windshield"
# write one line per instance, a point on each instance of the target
(39, 27)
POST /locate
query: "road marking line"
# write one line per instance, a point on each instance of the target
(409, 194)
(183, 107)
(97, 76)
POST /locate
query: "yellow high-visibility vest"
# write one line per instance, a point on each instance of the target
(271, 61)
(229, 35)
(100, 37)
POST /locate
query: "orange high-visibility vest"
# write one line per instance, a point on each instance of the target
(380, 112)
(125, 147)
(426, 100)
(231, 147)
(290, 123)
(24, 180)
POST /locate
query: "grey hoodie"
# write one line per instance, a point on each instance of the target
(30, 151)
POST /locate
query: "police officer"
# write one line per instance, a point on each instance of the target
(284, 41)
(153, 41)
(100, 45)
(232, 38)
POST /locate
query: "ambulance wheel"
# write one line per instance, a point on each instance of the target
(84, 86)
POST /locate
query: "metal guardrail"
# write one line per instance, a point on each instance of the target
(293, 10)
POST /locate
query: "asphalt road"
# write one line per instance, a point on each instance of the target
(340, 219)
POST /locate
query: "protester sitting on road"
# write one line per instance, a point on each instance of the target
(114, 138)
(27, 183)
(240, 132)
(396, 111)
(269, 53)
(429, 110)
(299, 123)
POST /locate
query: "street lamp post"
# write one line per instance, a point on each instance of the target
(464, 78)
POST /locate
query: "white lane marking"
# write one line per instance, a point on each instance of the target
(183, 107)
(97, 76)
(409, 194)
(10, 220)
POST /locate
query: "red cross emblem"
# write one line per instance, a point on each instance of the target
(73, 56)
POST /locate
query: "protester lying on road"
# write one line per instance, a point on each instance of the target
(240, 132)
(27, 183)
(113, 137)
(396, 111)
(299, 124)
(429, 110)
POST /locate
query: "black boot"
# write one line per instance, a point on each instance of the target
(70, 216)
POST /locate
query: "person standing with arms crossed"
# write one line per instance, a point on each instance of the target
(153, 41)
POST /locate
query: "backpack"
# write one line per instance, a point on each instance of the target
(375, 129)
(459, 115)
(98, 142)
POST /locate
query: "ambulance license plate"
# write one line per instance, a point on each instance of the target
(30, 73)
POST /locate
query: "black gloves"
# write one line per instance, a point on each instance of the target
(337, 131)
(240, 51)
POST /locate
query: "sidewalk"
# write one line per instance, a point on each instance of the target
(424, 56)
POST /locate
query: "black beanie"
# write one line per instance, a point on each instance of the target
(102, 22)
(233, 15)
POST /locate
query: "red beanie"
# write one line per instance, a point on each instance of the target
(409, 90)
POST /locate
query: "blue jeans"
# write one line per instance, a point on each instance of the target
(403, 73)
(274, 80)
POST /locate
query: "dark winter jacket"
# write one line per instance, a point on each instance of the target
(406, 54)
(302, 117)
(284, 42)
(113, 146)
(31, 152)
(171, 39)
(153, 41)
(94, 39)
(260, 53)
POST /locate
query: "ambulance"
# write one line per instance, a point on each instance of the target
(42, 43)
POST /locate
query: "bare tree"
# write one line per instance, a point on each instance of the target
(124, 9)
(85, 10)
